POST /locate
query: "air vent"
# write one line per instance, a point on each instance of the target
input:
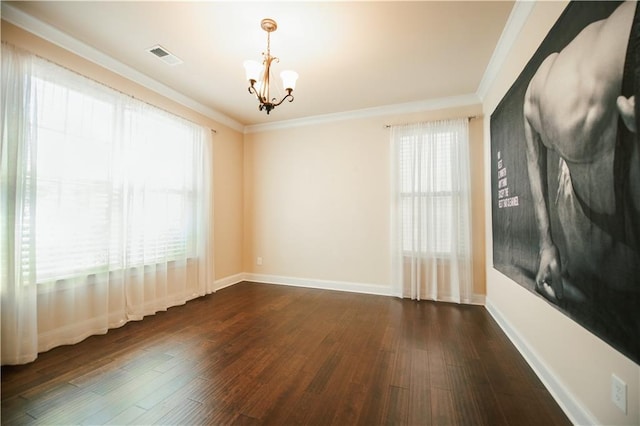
(164, 55)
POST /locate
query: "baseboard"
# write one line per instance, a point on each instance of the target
(352, 287)
(229, 281)
(321, 284)
(571, 407)
(478, 299)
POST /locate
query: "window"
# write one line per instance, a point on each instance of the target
(429, 190)
(116, 183)
(431, 225)
(105, 205)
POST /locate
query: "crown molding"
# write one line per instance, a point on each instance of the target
(512, 28)
(62, 39)
(515, 22)
(517, 18)
(395, 109)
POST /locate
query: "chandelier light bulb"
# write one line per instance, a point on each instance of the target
(289, 79)
(253, 69)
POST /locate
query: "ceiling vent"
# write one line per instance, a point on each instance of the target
(164, 55)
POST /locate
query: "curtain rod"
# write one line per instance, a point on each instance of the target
(386, 126)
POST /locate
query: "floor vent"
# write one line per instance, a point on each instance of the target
(164, 55)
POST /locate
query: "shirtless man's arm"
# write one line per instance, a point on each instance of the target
(549, 266)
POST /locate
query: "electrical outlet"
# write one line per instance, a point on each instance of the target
(619, 393)
(259, 261)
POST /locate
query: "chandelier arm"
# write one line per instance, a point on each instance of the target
(287, 96)
(253, 90)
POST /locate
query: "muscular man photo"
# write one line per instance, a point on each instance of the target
(580, 105)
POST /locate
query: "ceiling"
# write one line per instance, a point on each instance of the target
(349, 55)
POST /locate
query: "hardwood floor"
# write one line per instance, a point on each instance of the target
(265, 354)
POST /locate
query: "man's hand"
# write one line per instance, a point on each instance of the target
(549, 278)
(626, 108)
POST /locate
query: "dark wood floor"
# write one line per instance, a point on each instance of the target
(265, 354)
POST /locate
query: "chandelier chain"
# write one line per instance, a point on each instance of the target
(268, 43)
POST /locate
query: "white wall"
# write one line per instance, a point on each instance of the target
(574, 364)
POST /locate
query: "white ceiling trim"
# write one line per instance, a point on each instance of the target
(396, 109)
(512, 28)
(55, 36)
(517, 18)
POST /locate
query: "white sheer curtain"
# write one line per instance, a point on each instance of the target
(431, 211)
(106, 208)
(17, 194)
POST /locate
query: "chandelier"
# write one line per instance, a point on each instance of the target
(259, 74)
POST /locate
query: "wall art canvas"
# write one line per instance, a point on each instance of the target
(565, 172)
